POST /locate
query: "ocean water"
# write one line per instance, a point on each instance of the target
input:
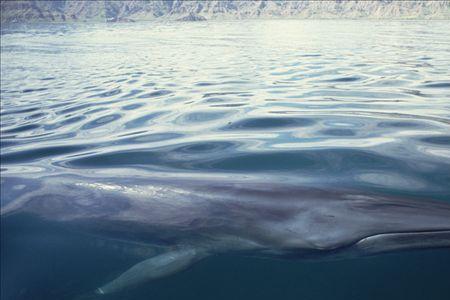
(332, 103)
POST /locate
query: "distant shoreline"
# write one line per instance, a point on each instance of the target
(165, 21)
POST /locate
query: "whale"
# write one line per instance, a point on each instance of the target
(191, 219)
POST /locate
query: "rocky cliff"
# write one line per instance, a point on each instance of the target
(112, 11)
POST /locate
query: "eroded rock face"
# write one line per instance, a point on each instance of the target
(113, 11)
(192, 18)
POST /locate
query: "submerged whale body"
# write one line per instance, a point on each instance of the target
(194, 219)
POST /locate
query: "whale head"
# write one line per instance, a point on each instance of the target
(351, 224)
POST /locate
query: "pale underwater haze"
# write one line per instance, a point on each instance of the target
(336, 104)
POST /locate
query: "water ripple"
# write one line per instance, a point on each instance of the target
(301, 104)
(101, 121)
(268, 123)
(37, 154)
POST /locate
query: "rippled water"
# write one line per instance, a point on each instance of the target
(361, 104)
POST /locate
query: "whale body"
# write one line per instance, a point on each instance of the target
(195, 219)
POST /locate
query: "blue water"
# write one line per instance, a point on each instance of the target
(356, 104)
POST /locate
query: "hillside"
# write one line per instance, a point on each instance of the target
(133, 10)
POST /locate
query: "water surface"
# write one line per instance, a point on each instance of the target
(357, 104)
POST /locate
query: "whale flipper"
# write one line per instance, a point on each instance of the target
(154, 268)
